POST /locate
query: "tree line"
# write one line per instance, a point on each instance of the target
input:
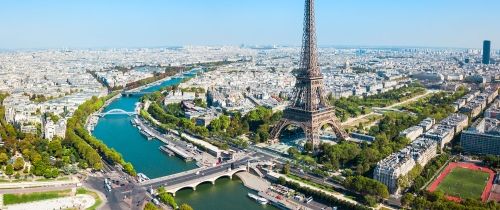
(89, 147)
(320, 196)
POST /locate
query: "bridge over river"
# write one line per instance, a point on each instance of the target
(115, 112)
(195, 177)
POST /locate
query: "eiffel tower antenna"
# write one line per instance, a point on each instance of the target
(308, 108)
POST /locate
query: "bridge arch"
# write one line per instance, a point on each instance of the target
(212, 180)
(117, 112)
(185, 187)
(206, 181)
(230, 176)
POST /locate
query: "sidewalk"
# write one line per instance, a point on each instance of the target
(30, 184)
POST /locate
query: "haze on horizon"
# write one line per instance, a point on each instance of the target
(124, 23)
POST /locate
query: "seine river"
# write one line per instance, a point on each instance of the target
(117, 132)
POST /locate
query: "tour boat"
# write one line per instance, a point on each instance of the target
(259, 199)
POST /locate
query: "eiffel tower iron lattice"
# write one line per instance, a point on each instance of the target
(308, 108)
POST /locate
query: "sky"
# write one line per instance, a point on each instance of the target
(159, 23)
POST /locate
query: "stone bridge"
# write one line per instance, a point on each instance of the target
(195, 177)
(192, 184)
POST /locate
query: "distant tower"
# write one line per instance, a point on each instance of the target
(486, 51)
(347, 68)
(309, 109)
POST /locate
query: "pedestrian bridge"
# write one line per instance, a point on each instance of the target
(116, 112)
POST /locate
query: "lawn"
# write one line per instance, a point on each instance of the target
(9, 199)
(464, 183)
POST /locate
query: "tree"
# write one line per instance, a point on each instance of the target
(150, 206)
(225, 121)
(366, 186)
(18, 164)
(3, 158)
(293, 152)
(185, 207)
(9, 170)
(129, 168)
(286, 168)
(55, 148)
(407, 199)
(370, 200)
(167, 198)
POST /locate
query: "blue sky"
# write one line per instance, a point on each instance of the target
(147, 23)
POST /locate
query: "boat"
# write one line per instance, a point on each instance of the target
(146, 134)
(166, 150)
(259, 199)
(142, 177)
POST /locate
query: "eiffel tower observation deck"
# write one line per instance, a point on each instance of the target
(308, 108)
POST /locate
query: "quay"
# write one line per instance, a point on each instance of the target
(187, 156)
(179, 148)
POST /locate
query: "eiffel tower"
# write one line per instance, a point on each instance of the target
(308, 108)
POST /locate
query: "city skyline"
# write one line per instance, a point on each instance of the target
(114, 24)
(230, 104)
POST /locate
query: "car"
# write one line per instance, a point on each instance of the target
(108, 188)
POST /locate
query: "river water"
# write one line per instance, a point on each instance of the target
(117, 132)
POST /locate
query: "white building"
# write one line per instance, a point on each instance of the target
(398, 164)
(52, 129)
(427, 123)
(412, 132)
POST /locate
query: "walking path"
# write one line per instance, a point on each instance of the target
(253, 182)
(74, 202)
(30, 184)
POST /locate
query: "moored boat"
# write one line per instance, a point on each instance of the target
(259, 199)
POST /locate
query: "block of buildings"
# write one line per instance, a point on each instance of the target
(456, 121)
(472, 109)
(427, 123)
(493, 111)
(398, 164)
(412, 132)
(483, 137)
(391, 168)
(441, 134)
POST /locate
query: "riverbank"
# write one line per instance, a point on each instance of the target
(118, 133)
